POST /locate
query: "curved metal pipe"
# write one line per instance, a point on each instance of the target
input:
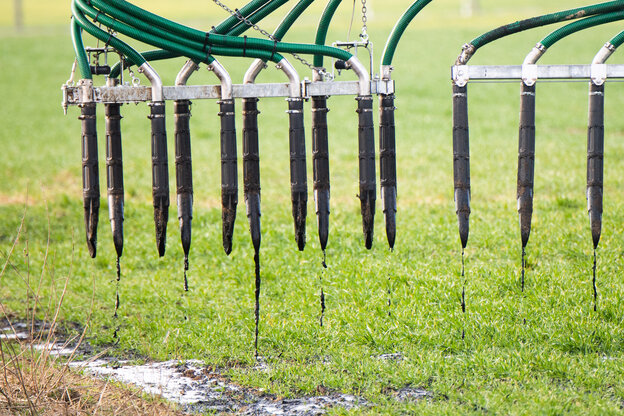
(363, 76)
(293, 77)
(224, 77)
(154, 78)
(186, 71)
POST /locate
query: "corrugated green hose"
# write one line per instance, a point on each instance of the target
(399, 28)
(519, 26)
(323, 26)
(574, 27)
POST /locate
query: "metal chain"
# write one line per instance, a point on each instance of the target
(254, 26)
(364, 34)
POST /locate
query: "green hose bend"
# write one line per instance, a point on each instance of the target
(399, 29)
(323, 27)
(470, 49)
(617, 40)
(574, 27)
(79, 49)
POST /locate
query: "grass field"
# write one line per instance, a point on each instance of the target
(565, 359)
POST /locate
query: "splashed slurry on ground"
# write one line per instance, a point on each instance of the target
(199, 388)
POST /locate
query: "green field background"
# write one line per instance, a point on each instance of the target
(543, 351)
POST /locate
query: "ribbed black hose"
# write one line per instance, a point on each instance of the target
(387, 164)
(251, 168)
(160, 174)
(90, 175)
(298, 173)
(366, 147)
(229, 172)
(114, 174)
(526, 160)
(184, 170)
(320, 166)
(595, 159)
(461, 160)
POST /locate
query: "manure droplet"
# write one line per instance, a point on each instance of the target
(257, 308)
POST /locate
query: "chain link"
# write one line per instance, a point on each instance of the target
(364, 34)
(254, 26)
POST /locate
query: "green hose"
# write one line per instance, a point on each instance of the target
(133, 56)
(257, 16)
(534, 22)
(81, 55)
(323, 26)
(228, 24)
(574, 27)
(617, 40)
(174, 43)
(290, 18)
(232, 21)
(399, 28)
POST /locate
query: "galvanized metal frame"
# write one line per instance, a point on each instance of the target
(462, 74)
(75, 95)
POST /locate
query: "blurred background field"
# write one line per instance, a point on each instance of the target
(564, 359)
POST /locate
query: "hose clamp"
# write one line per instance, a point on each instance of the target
(529, 74)
(460, 75)
(598, 74)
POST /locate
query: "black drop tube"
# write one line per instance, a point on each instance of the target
(229, 172)
(298, 174)
(387, 164)
(595, 159)
(461, 160)
(160, 174)
(526, 160)
(366, 147)
(90, 175)
(184, 170)
(114, 174)
(320, 166)
(251, 168)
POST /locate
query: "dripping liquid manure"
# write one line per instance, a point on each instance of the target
(594, 284)
(186, 267)
(322, 297)
(115, 315)
(463, 295)
(257, 306)
(523, 268)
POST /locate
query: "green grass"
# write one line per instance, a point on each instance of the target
(564, 359)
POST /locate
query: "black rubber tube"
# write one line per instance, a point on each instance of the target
(526, 160)
(90, 175)
(298, 172)
(184, 170)
(114, 174)
(160, 174)
(251, 168)
(320, 166)
(387, 164)
(229, 172)
(366, 147)
(461, 160)
(595, 159)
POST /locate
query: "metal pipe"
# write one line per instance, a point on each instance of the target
(114, 170)
(160, 168)
(362, 74)
(90, 172)
(224, 78)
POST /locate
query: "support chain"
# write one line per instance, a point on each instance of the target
(364, 34)
(254, 26)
